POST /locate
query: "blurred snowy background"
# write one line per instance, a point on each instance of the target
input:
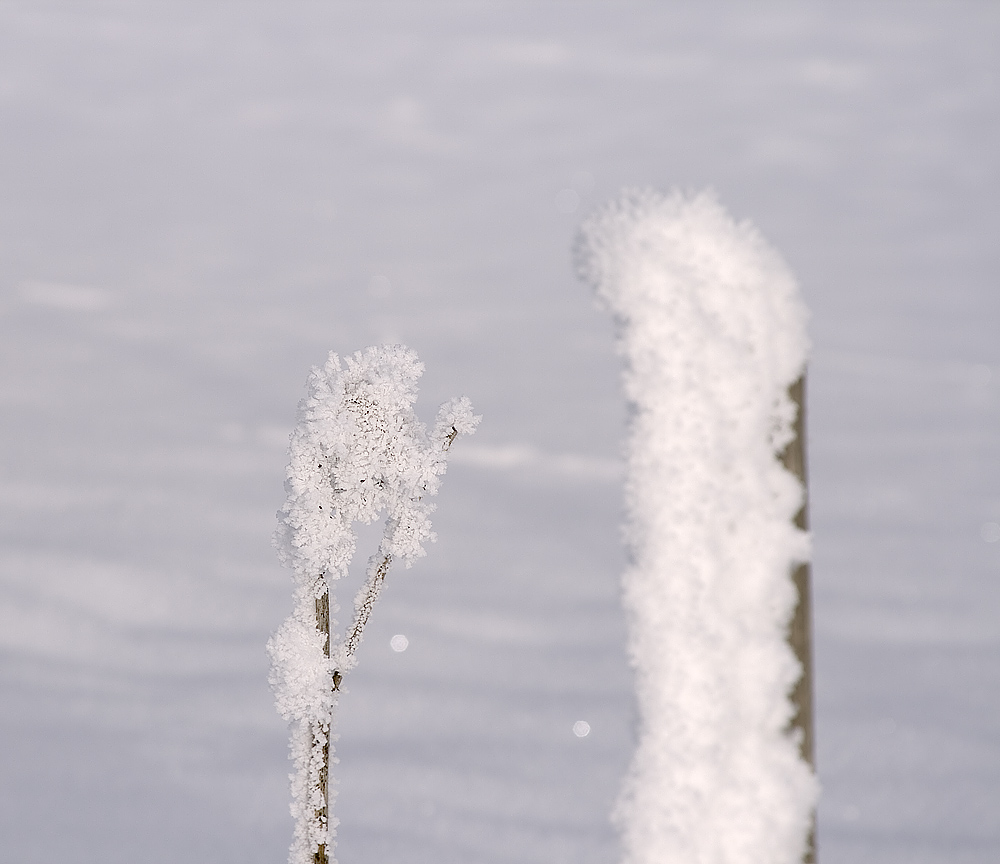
(200, 199)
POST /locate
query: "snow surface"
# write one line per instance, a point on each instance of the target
(713, 333)
(201, 199)
(357, 453)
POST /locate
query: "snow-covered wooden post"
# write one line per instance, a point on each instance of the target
(800, 627)
(712, 330)
(357, 452)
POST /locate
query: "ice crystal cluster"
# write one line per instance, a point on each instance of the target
(712, 331)
(357, 453)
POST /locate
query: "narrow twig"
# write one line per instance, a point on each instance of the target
(375, 581)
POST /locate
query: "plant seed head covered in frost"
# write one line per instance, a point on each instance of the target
(712, 331)
(357, 452)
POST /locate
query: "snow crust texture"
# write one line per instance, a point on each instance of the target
(712, 330)
(357, 452)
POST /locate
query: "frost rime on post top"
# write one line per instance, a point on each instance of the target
(357, 450)
(712, 330)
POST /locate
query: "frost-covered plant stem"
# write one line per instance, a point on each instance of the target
(712, 331)
(357, 451)
(321, 731)
(368, 596)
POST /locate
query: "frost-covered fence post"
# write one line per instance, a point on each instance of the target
(712, 331)
(357, 451)
(800, 628)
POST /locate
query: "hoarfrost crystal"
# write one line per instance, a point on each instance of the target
(358, 451)
(713, 333)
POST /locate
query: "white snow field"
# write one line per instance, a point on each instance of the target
(201, 200)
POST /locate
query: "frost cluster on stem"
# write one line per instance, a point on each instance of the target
(357, 452)
(712, 331)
